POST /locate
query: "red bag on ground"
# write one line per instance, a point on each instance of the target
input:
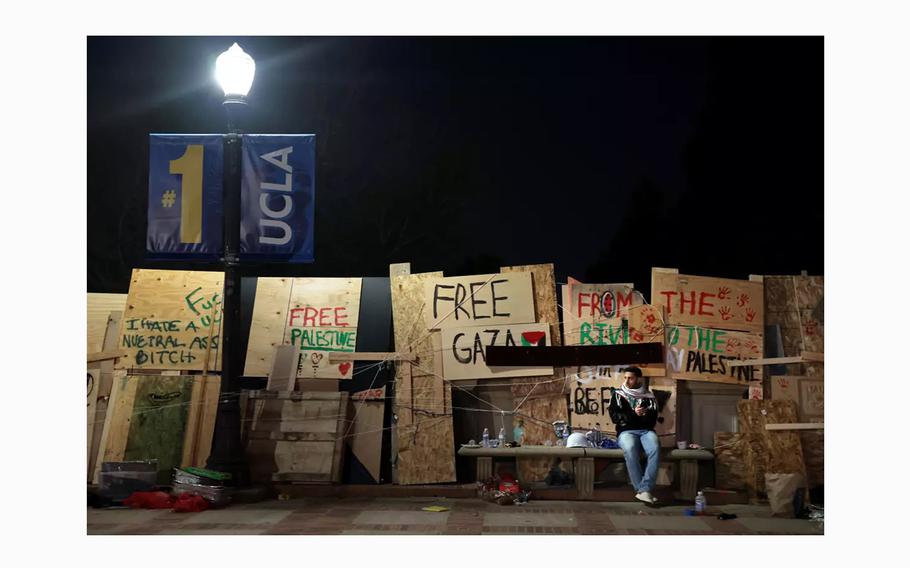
(149, 500)
(187, 503)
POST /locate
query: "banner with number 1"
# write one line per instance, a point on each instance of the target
(185, 196)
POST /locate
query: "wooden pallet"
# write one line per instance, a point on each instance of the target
(295, 436)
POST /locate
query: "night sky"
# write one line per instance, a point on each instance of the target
(605, 156)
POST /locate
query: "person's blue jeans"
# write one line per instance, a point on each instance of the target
(630, 441)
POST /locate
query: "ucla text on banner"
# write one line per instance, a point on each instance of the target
(278, 194)
(185, 196)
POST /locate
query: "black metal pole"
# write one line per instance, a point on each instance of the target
(227, 455)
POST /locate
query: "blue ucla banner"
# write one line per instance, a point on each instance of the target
(185, 196)
(278, 195)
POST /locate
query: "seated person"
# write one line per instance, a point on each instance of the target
(633, 409)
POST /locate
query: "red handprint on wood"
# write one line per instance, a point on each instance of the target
(725, 313)
(743, 300)
(750, 314)
(637, 336)
(723, 293)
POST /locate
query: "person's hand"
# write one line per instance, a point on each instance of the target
(641, 410)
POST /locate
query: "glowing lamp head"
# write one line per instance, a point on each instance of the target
(234, 70)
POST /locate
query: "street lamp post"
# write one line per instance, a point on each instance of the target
(234, 70)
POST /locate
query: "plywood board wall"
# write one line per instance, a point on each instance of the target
(316, 315)
(167, 319)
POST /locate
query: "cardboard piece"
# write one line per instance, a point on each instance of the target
(463, 350)
(488, 299)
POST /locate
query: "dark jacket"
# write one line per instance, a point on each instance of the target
(624, 417)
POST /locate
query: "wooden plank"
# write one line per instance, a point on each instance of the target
(200, 428)
(812, 357)
(116, 422)
(365, 437)
(797, 426)
(718, 303)
(488, 299)
(713, 355)
(340, 431)
(337, 357)
(102, 389)
(283, 375)
(167, 318)
(206, 430)
(104, 356)
(267, 328)
(98, 308)
(462, 350)
(93, 380)
(765, 361)
(796, 305)
(575, 355)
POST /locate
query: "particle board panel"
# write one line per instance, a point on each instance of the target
(365, 436)
(796, 304)
(166, 320)
(538, 415)
(769, 451)
(98, 309)
(270, 313)
(424, 431)
(729, 461)
(717, 303)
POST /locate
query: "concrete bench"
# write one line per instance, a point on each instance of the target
(583, 459)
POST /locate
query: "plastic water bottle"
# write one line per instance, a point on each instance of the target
(486, 438)
(519, 432)
(502, 437)
(700, 503)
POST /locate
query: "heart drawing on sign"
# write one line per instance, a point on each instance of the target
(532, 338)
(316, 358)
(344, 368)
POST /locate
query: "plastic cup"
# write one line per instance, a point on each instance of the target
(682, 444)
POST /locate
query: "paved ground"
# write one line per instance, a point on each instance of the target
(465, 517)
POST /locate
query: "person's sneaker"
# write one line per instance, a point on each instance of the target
(646, 497)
